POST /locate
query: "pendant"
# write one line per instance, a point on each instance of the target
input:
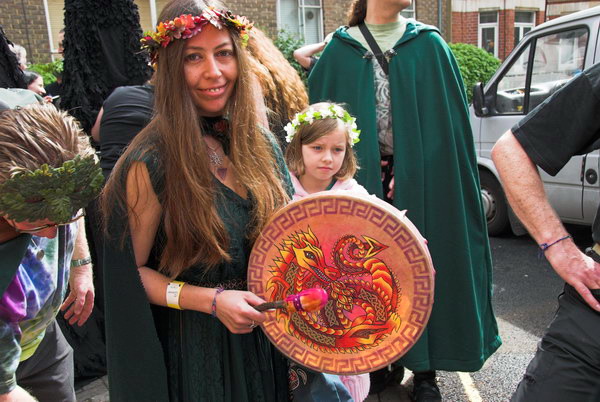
(222, 173)
(215, 158)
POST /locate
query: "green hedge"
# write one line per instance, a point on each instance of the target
(287, 42)
(475, 65)
(48, 71)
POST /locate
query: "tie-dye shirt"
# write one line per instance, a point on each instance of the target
(32, 300)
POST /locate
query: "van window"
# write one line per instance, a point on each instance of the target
(510, 95)
(556, 59)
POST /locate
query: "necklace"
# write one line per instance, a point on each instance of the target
(214, 157)
(216, 161)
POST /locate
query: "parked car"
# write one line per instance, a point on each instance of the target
(543, 61)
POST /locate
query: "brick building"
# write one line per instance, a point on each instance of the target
(497, 26)
(35, 24)
(491, 24)
(558, 8)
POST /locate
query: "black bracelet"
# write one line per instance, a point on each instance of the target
(81, 262)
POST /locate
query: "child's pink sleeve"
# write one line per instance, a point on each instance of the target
(358, 386)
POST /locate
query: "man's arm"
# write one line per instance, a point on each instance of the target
(18, 394)
(303, 54)
(80, 301)
(10, 353)
(525, 192)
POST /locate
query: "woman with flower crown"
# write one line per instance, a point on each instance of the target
(190, 194)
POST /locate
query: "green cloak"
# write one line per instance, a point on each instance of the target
(436, 181)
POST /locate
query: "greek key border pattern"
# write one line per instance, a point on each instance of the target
(392, 348)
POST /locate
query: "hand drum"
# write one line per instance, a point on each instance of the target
(372, 262)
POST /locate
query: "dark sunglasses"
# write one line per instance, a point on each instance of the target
(52, 225)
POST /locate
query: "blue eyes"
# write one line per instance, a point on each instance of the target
(320, 148)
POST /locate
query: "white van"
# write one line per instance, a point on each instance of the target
(545, 59)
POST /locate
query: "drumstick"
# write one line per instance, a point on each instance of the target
(308, 300)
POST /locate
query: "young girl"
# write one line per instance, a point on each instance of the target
(320, 158)
(320, 155)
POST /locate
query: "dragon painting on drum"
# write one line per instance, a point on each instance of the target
(374, 266)
(363, 294)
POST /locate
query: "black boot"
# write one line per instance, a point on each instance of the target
(425, 387)
(381, 378)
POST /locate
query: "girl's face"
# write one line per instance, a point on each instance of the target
(323, 158)
(210, 68)
(37, 86)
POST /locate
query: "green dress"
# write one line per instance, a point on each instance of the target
(202, 360)
(436, 181)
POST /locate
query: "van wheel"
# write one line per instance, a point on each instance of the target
(494, 204)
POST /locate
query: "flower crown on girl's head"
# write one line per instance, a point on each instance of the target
(331, 112)
(187, 26)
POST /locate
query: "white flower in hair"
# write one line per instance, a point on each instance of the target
(309, 116)
(339, 112)
(330, 112)
(290, 130)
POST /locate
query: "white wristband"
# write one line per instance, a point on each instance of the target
(173, 292)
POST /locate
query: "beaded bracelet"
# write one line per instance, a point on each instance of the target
(546, 246)
(214, 302)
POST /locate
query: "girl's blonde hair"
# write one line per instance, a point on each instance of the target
(194, 230)
(309, 133)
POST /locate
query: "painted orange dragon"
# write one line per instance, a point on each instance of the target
(363, 294)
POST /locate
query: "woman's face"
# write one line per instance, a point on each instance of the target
(211, 70)
(396, 4)
(37, 86)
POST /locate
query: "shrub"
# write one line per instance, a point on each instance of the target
(287, 42)
(475, 65)
(48, 71)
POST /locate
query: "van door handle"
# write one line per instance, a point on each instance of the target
(591, 176)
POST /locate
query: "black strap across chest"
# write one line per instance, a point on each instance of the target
(377, 52)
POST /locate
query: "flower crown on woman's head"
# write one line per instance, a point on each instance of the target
(331, 112)
(187, 26)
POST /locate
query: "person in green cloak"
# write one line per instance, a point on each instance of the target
(405, 88)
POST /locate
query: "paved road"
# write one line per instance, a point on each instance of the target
(525, 290)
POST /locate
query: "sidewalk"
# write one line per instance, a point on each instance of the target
(95, 391)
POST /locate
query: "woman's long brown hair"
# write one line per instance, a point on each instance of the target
(194, 231)
(284, 92)
(357, 12)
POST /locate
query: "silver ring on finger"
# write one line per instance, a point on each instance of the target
(252, 325)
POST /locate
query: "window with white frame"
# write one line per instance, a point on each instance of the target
(409, 12)
(524, 22)
(302, 17)
(487, 32)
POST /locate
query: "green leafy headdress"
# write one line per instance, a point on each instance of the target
(51, 193)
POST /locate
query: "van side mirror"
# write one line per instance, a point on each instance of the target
(479, 105)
